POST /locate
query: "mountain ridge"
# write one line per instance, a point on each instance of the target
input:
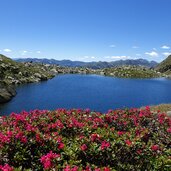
(93, 65)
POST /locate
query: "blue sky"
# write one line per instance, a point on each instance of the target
(87, 30)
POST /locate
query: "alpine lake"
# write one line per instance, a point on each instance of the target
(98, 93)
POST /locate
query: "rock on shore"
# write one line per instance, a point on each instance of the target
(6, 93)
(13, 73)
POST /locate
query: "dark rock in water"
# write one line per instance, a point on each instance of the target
(6, 93)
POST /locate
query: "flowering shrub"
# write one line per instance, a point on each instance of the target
(74, 140)
(6, 167)
(47, 160)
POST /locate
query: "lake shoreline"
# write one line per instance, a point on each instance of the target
(9, 91)
(96, 92)
(16, 73)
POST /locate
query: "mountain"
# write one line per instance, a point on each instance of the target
(65, 63)
(93, 65)
(165, 66)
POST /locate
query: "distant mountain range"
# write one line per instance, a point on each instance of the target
(93, 65)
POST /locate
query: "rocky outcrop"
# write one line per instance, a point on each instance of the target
(13, 73)
(17, 73)
(132, 72)
(165, 67)
(6, 93)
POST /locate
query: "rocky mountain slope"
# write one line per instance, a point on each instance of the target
(129, 71)
(93, 65)
(16, 73)
(13, 73)
(165, 66)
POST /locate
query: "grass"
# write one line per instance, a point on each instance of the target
(131, 72)
(161, 107)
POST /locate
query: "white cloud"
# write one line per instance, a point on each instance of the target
(7, 50)
(89, 57)
(166, 53)
(107, 57)
(112, 46)
(135, 58)
(152, 54)
(117, 57)
(120, 57)
(135, 47)
(86, 58)
(38, 52)
(24, 52)
(165, 47)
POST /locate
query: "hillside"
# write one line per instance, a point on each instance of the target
(16, 73)
(129, 71)
(93, 65)
(13, 73)
(165, 66)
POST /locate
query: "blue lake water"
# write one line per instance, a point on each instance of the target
(95, 92)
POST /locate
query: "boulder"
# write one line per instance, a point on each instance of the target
(169, 76)
(37, 75)
(102, 73)
(53, 71)
(6, 93)
(169, 113)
